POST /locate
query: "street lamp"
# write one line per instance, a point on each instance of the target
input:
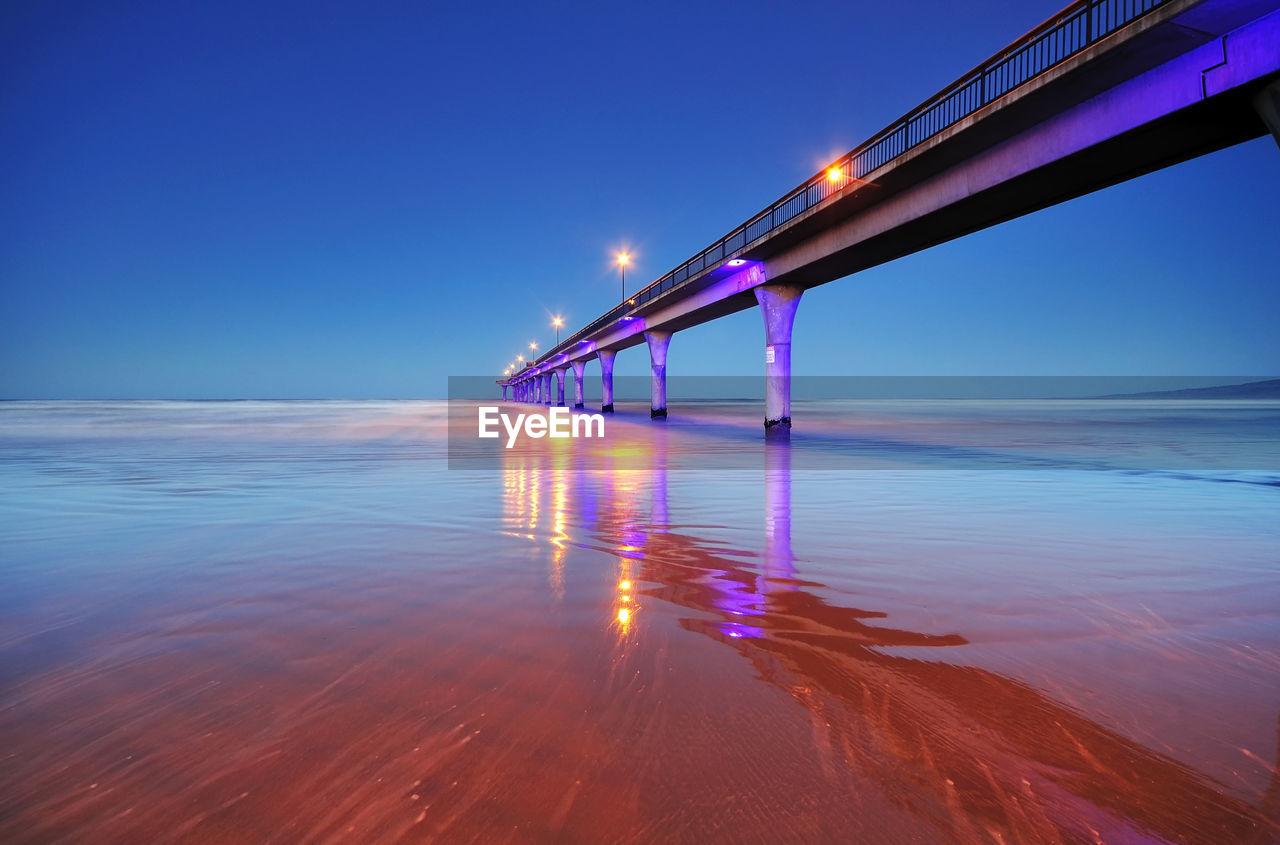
(623, 261)
(838, 174)
(533, 346)
(557, 322)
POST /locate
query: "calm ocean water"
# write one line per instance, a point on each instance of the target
(917, 621)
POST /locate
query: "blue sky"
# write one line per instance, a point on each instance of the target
(333, 200)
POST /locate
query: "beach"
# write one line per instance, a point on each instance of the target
(933, 622)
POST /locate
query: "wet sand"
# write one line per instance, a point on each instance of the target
(318, 634)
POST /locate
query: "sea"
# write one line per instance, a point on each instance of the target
(922, 621)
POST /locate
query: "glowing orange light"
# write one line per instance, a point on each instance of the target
(835, 174)
(625, 585)
(533, 346)
(624, 259)
(624, 615)
(557, 322)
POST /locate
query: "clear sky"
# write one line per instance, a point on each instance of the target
(276, 200)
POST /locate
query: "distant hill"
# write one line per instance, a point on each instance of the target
(1269, 389)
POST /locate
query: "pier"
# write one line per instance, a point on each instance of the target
(1103, 92)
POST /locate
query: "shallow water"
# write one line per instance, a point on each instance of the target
(255, 621)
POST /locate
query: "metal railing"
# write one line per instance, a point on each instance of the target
(1076, 27)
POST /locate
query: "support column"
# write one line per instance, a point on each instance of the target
(578, 368)
(504, 393)
(658, 342)
(548, 397)
(606, 357)
(560, 386)
(1267, 103)
(778, 305)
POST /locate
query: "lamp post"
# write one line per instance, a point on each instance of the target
(557, 322)
(623, 261)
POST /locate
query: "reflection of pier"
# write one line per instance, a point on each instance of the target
(976, 755)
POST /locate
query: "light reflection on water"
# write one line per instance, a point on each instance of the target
(229, 621)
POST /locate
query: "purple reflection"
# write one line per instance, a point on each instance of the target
(736, 594)
(739, 631)
(633, 542)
